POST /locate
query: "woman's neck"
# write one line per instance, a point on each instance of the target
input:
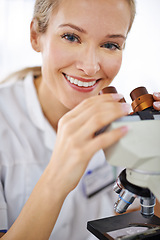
(51, 107)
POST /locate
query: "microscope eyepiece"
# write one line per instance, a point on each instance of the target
(112, 89)
(137, 92)
(141, 99)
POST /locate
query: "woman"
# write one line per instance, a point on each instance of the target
(49, 122)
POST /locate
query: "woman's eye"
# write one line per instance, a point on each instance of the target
(71, 37)
(111, 46)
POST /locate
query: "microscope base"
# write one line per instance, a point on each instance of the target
(126, 227)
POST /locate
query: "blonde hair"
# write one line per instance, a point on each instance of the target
(43, 9)
(42, 12)
(132, 4)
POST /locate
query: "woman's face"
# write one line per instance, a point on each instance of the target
(82, 48)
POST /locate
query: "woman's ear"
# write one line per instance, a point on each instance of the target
(34, 36)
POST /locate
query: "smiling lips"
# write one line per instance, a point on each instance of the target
(79, 83)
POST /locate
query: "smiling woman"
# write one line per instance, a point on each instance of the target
(50, 156)
(80, 51)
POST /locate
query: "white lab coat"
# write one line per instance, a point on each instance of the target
(26, 144)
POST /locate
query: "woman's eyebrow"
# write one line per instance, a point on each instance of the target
(79, 29)
(116, 36)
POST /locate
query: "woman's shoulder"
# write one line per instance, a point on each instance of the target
(16, 80)
(12, 99)
(10, 93)
(17, 130)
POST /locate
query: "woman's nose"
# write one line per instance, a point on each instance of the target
(88, 62)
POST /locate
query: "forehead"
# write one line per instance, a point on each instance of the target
(109, 14)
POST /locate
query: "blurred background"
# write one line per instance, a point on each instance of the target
(140, 66)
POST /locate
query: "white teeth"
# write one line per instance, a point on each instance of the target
(72, 80)
(75, 81)
(85, 84)
(80, 83)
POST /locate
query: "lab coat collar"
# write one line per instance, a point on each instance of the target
(36, 114)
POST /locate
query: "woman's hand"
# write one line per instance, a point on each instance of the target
(76, 142)
(156, 104)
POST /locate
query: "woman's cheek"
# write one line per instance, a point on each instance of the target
(61, 57)
(114, 67)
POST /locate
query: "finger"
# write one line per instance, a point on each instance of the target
(80, 114)
(100, 119)
(156, 106)
(106, 139)
(156, 96)
(111, 90)
(115, 97)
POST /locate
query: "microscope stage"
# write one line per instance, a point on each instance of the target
(126, 227)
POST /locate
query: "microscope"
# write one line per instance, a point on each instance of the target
(139, 154)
